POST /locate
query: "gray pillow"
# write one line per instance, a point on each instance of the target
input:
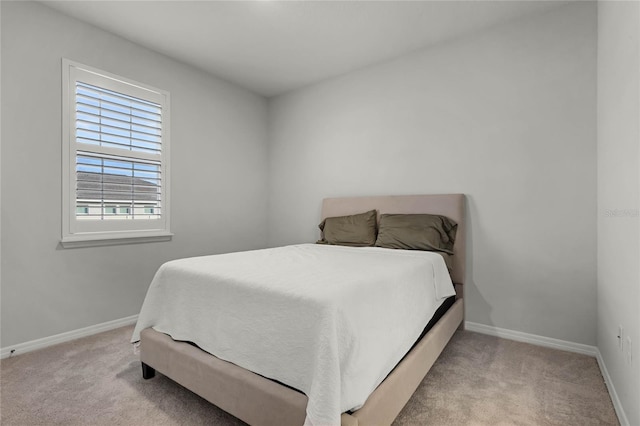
(417, 232)
(355, 230)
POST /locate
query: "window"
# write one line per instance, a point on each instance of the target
(115, 159)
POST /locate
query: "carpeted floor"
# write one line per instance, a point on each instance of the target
(478, 380)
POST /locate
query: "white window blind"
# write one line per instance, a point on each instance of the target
(117, 188)
(117, 151)
(108, 118)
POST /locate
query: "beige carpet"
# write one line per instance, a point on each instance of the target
(478, 380)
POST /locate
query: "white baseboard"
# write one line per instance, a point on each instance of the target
(557, 344)
(534, 339)
(471, 326)
(65, 337)
(617, 405)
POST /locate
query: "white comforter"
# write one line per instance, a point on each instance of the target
(330, 321)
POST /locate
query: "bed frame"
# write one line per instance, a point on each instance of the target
(263, 402)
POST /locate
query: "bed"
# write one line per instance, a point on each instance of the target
(261, 401)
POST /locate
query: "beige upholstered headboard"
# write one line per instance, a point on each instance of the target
(450, 205)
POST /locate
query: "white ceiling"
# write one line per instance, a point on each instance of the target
(272, 47)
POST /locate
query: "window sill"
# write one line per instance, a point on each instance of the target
(112, 239)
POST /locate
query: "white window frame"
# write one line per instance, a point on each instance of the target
(83, 233)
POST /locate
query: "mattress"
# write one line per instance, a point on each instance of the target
(330, 321)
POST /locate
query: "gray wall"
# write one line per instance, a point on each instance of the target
(219, 170)
(507, 116)
(619, 196)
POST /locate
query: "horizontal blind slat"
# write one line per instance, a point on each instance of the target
(117, 145)
(117, 131)
(117, 119)
(117, 125)
(93, 88)
(121, 109)
(95, 92)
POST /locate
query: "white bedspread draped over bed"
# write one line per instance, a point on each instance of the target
(330, 321)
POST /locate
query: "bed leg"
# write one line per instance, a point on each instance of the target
(147, 372)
